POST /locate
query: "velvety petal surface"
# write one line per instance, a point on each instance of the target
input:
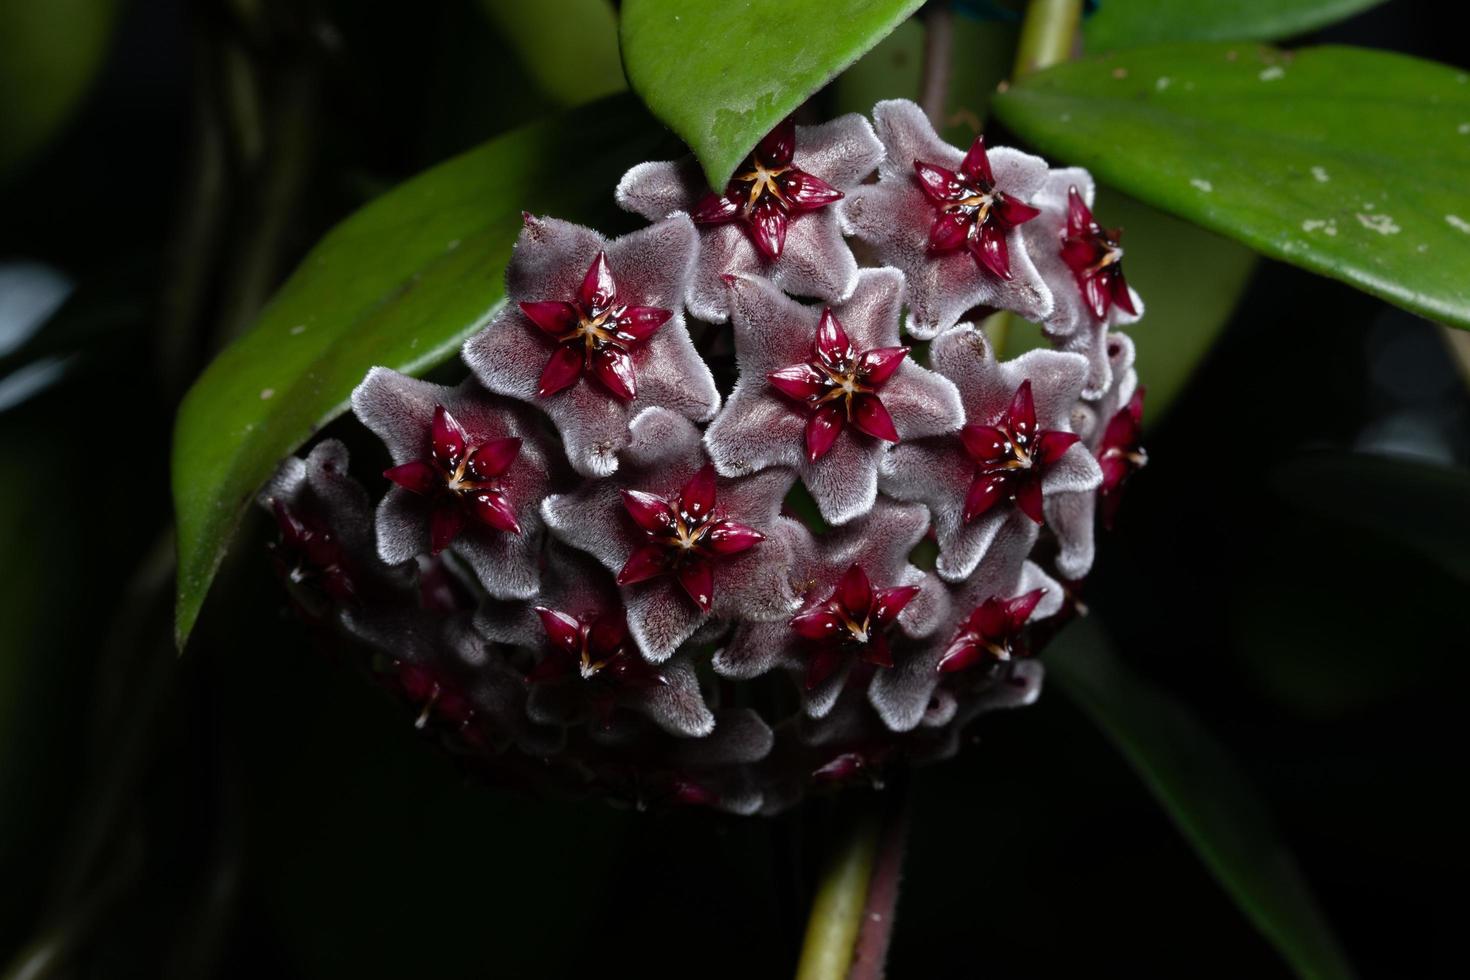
(400, 410)
(652, 269)
(762, 426)
(814, 261)
(896, 217)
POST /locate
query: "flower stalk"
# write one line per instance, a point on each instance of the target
(842, 896)
(1047, 34)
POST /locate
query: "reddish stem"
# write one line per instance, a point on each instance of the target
(871, 952)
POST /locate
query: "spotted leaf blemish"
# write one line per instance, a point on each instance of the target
(1381, 223)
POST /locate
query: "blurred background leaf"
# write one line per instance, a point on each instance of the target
(1204, 790)
(980, 56)
(49, 54)
(723, 75)
(1402, 502)
(401, 284)
(569, 48)
(1304, 156)
(1129, 23)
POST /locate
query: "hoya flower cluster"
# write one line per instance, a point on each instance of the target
(586, 570)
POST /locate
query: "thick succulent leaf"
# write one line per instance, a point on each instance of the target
(401, 283)
(49, 54)
(1191, 280)
(1346, 162)
(1128, 23)
(722, 75)
(1417, 504)
(543, 32)
(1205, 792)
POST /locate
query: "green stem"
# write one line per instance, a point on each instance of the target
(1047, 35)
(997, 327)
(938, 27)
(837, 911)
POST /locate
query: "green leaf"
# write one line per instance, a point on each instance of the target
(400, 283)
(722, 75)
(1419, 505)
(543, 32)
(1205, 791)
(1128, 23)
(1346, 162)
(49, 53)
(1190, 281)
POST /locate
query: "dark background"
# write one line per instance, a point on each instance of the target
(256, 809)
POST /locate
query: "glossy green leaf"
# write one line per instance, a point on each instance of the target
(400, 283)
(722, 75)
(1418, 504)
(49, 53)
(1206, 793)
(1128, 23)
(1190, 281)
(1346, 162)
(545, 32)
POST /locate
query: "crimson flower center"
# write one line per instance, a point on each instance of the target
(1016, 453)
(1094, 255)
(591, 662)
(844, 382)
(760, 182)
(972, 199)
(458, 477)
(685, 538)
(595, 328)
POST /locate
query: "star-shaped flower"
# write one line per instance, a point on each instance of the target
(992, 632)
(970, 212)
(1121, 454)
(1073, 515)
(686, 535)
(469, 471)
(776, 217)
(1012, 457)
(840, 386)
(461, 479)
(976, 484)
(878, 544)
(586, 663)
(987, 614)
(951, 221)
(1095, 256)
(453, 679)
(593, 333)
(1084, 264)
(852, 622)
(766, 192)
(805, 373)
(326, 552)
(684, 545)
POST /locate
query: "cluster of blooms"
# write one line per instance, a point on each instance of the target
(585, 572)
